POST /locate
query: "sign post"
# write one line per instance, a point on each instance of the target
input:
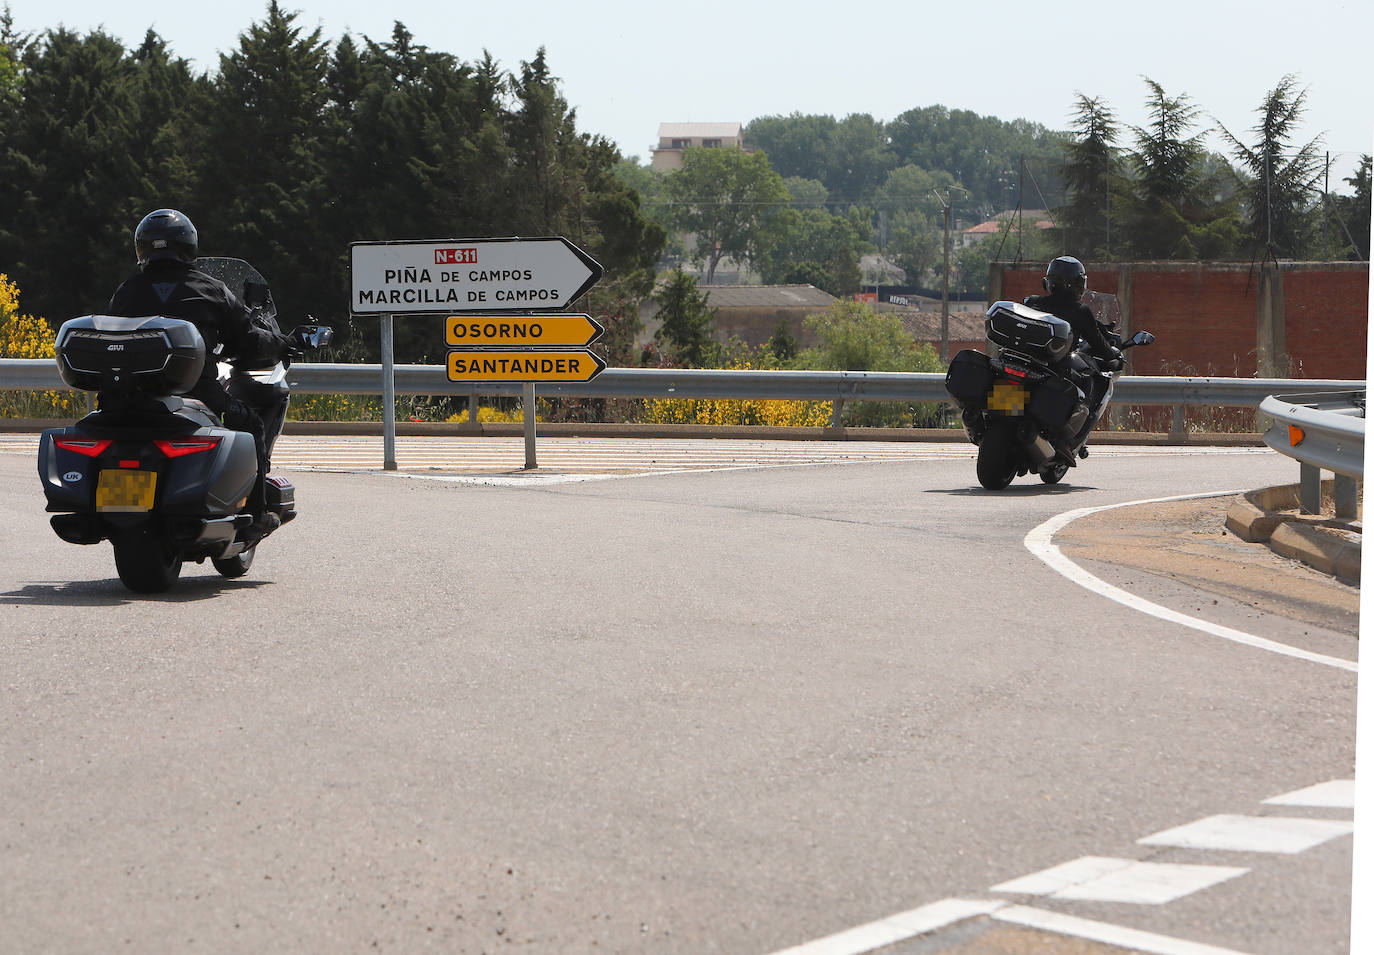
(499, 279)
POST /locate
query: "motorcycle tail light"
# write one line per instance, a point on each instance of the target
(180, 447)
(90, 447)
(1014, 372)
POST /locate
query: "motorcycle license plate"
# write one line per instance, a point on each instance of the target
(1008, 397)
(124, 489)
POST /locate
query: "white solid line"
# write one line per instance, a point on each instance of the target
(1333, 794)
(1105, 933)
(895, 928)
(1040, 543)
(1251, 834)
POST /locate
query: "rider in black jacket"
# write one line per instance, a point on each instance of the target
(1065, 282)
(167, 284)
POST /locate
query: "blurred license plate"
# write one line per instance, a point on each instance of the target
(1008, 397)
(125, 490)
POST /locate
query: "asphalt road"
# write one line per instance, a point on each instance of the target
(720, 712)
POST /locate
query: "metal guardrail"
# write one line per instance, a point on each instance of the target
(1322, 431)
(837, 387)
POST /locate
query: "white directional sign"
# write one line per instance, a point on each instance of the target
(469, 275)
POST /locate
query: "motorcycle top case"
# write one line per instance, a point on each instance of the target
(157, 356)
(1031, 332)
(969, 378)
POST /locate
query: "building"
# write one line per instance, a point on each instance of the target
(673, 138)
(1026, 219)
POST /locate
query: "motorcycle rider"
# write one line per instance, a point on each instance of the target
(1065, 282)
(166, 244)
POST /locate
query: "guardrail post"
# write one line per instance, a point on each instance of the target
(1310, 489)
(837, 413)
(1347, 497)
(1178, 429)
(471, 424)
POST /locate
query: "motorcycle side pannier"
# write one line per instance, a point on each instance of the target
(1029, 331)
(157, 356)
(969, 378)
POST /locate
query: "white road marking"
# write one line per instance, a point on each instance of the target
(895, 928)
(946, 912)
(1040, 542)
(1096, 879)
(1251, 834)
(1118, 935)
(1333, 794)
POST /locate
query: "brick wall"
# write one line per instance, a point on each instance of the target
(1207, 316)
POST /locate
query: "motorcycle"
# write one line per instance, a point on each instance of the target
(1031, 408)
(153, 471)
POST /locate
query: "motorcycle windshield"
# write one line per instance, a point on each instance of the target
(246, 282)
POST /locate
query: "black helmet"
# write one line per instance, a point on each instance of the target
(1066, 273)
(165, 234)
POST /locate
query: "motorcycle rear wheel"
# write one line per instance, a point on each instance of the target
(997, 458)
(145, 563)
(235, 566)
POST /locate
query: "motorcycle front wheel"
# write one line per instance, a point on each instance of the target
(997, 458)
(145, 563)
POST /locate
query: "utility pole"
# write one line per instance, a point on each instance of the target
(944, 281)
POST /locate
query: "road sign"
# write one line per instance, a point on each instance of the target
(522, 365)
(469, 275)
(526, 330)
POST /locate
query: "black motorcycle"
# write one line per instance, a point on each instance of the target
(1030, 408)
(155, 472)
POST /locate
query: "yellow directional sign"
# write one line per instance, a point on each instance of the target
(548, 331)
(511, 365)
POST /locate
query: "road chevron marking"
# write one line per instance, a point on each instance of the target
(1095, 878)
(1040, 542)
(946, 912)
(1252, 833)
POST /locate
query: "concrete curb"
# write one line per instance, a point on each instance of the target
(1271, 516)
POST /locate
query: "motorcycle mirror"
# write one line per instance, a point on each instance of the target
(313, 336)
(1142, 338)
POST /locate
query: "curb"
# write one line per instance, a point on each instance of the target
(1270, 516)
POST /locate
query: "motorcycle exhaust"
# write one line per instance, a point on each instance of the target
(1038, 450)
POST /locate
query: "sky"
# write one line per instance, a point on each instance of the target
(627, 67)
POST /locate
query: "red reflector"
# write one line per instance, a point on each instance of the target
(90, 447)
(1016, 372)
(128, 464)
(180, 447)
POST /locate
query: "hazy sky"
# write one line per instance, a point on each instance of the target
(626, 67)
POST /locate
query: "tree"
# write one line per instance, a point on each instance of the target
(687, 320)
(1352, 214)
(263, 191)
(724, 198)
(1087, 170)
(71, 177)
(1177, 208)
(1282, 179)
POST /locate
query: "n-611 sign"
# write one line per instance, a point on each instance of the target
(469, 275)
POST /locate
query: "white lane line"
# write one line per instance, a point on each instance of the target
(1120, 936)
(1251, 834)
(1040, 542)
(1333, 794)
(1096, 879)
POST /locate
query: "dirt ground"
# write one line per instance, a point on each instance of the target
(1188, 542)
